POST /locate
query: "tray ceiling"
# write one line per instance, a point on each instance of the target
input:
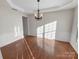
(29, 6)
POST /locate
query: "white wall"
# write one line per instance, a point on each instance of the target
(74, 41)
(64, 23)
(11, 28)
(1, 55)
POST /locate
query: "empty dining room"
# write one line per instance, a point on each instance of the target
(38, 29)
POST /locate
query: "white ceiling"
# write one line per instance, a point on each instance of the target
(29, 6)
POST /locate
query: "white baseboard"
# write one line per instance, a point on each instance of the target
(74, 46)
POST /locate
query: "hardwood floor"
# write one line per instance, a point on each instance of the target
(37, 48)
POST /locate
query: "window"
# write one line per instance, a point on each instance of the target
(40, 32)
(47, 30)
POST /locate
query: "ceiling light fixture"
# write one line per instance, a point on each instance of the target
(38, 15)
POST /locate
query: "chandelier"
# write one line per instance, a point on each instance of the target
(38, 15)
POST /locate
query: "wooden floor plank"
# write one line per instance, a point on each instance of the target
(37, 48)
(50, 49)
